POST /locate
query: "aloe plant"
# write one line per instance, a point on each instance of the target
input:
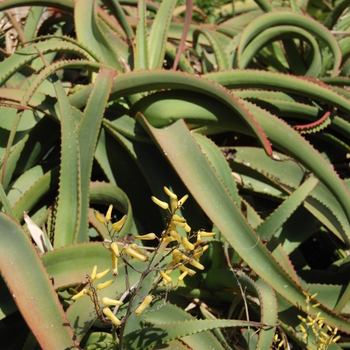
(107, 102)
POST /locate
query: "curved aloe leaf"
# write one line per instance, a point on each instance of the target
(149, 337)
(69, 188)
(88, 131)
(282, 32)
(159, 34)
(294, 19)
(90, 33)
(32, 289)
(208, 190)
(141, 47)
(272, 223)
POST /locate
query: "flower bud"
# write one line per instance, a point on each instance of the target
(117, 226)
(80, 294)
(109, 213)
(108, 313)
(182, 200)
(182, 276)
(104, 285)
(102, 274)
(169, 193)
(93, 273)
(166, 277)
(147, 237)
(99, 217)
(128, 250)
(115, 248)
(207, 234)
(111, 302)
(196, 264)
(144, 304)
(114, 264)
(160, 203)
(187, 244)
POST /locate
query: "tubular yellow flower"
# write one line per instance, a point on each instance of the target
(205, 248)
(175, 235)
(334, 340)
(102, 274)
(187, 244)
(128, 250)
(114, 264)
(166, 277)
(144, 304)
(109, 213)
(169, 193)
(104, 285)
(199, 237)
(115, 248)
(178, 218)
(99, 217)
(182, 200)
(186, 269)
(80, 294)
(182, 276)
(179, 223)
(147, 237)
(207, 234)
(111, 302)
(196, 264)
(160, 203)
(173, 203)
(169, 239)
(178, 254)
(137, 249)
(117, 226)
(93, 273)
(187, 228)
(108, 313)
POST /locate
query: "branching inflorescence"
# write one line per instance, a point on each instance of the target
(324, 334)
(185, 249)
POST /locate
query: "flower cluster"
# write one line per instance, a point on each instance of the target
(186, 249)
(91, 291)
(184, 252)
(324, 334)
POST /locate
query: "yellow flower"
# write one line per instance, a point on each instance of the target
(144, 304)
(115, 248)
(104, 285)
(187, 244)
(80, 294)
(117, 226)
(108, 312)
(109, 213)
(111, 302)
(99, 217)
(102, 274)
(128, 250)
(169, 193)
(182, 200)
(93, 273)
(147, 237)
(160, 203)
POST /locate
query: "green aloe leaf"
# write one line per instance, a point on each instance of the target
(69, 187)
(294, 19)
(149, 337)
(159, 34)
(88, 131)
(272, 223)
(200, 178)
(281, 32)
(90, 33)
(32, 289)
(141, 48)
